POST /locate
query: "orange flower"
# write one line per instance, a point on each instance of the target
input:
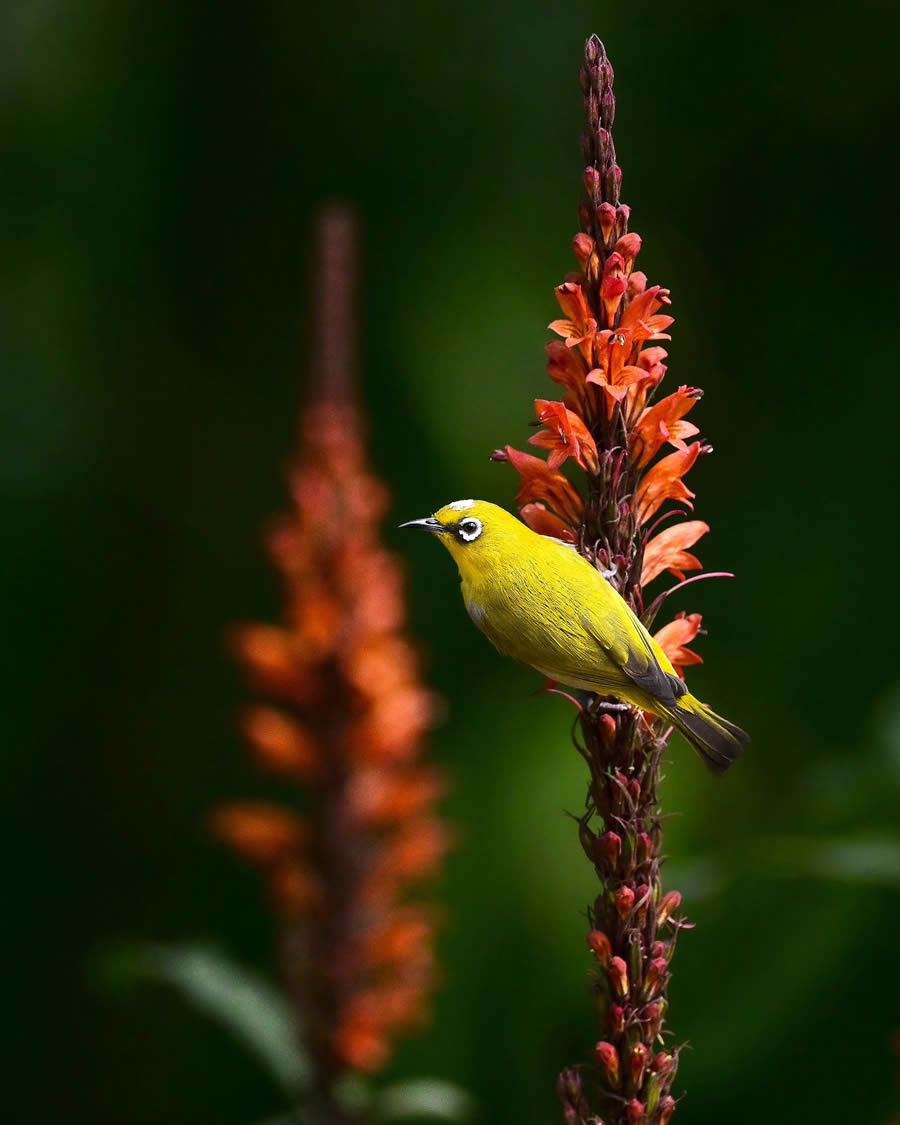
(613, 374)
(402, 1006)
(567, 368)
(664, 482)
(650, 361)
(663, 423)
(639, 318)
(613, 285)
(667, 551)
(380, 665)
(281, 743)
(541, 483)
(417, 849)
(391, 729)
(565, 436)
(360, 1043)
(379, 797)
(272, 658)
(400, 940)
(263, 833)
(546, 523)
(673, 637)
(578, 326)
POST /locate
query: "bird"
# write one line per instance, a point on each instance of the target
(540, 602)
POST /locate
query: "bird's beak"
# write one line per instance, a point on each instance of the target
(427, 524)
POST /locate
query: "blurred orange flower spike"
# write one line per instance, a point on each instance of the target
(668, 551)
(565, 436)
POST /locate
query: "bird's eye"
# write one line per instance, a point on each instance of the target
(470, 529)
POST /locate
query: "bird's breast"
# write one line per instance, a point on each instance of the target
(474, 607)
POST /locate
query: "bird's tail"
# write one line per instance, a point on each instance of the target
(718, 742)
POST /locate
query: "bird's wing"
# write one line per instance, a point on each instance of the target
(630, 650)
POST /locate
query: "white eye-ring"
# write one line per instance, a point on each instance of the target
(470, 529)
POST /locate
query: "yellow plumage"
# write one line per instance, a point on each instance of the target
(537, 600)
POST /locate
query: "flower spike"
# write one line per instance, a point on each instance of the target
(345, 720)
(633, 450)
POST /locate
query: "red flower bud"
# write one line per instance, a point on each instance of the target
(613, 285)
(606, 726)
(642, 897)
(606, 219)
(634, 788)
(592, 181)
(655, 972)
(662, 1062)
(608, 1059)
(624, 901)
(637, 1064)
(612, 182)
(609, 846)
(569, 1087)
(613, 267)
(618, 976)
(666, 1109)
(637, 283)
(623, 214)
(629, 246)
(634, 1111)
(600, 946)
(583, 245)
(658, 949)
(653, 1016)
(616, 1016)
(670, 902)
(644, 847)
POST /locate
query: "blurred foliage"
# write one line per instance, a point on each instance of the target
(254, 1011)
(161, 165)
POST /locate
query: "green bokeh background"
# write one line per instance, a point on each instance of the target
(161, 166)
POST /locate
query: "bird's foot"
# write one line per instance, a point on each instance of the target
(608, 705)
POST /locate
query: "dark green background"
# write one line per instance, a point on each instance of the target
(161, 164)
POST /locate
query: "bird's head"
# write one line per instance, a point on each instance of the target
(473, 531)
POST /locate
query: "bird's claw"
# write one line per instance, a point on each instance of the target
(606, 705)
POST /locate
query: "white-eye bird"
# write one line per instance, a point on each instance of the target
(537, 600)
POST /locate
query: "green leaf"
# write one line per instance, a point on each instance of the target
(236, 997)
(424, 1097)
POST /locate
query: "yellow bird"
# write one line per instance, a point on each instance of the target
(537, 600)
